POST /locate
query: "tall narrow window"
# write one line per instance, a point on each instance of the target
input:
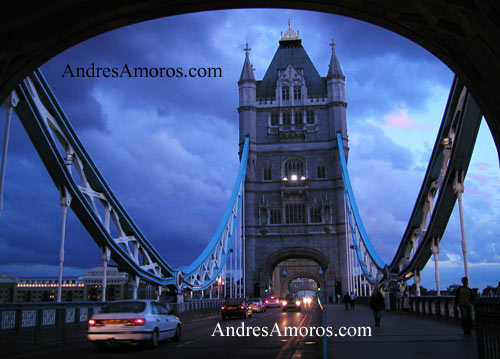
(287, 118)
(298, 118)
(275, 216)
(321, 172)
(295, 213)
(268, 173)
(294, 166)
(285, 93)
(315, 215)
(275, 118)
(297, 93)
(310, 117)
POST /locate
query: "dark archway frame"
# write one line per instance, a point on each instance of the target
(464, 34)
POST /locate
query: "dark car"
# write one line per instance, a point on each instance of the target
(291, 302)
(235, 308)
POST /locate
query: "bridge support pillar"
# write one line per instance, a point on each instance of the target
(105, 259)
(458, 187)
(11, 102)
(135, 286)
(435, 252)
(416, 278)
(65, 201)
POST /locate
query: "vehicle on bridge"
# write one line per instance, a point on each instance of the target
(257, 305)
(291, 302)
(272, 302)
(235, 307)
(133, 321)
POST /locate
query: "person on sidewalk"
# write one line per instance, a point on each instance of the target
(406, 300)
(377, 303)
(345, 300)
(463, 299)
(352, 300)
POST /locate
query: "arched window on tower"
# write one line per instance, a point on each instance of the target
(320, 171)
(297, 93)
(294, 166)
(267, 173)
(285, 93)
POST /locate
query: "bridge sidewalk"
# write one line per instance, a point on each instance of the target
(402, 336)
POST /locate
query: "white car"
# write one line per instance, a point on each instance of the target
(144, 321)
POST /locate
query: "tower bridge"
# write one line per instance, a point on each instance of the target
(294, 205)
(292, 198)
(292, 213)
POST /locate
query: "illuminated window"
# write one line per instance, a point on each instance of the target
(294, 166)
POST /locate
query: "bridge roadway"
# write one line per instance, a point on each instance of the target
(401, 336)
(197, 341)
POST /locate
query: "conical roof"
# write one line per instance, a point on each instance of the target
(334, 69)
(291, 52)
(247, 71)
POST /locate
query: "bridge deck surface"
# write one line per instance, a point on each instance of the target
(400, 335)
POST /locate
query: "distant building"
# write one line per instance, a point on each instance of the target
(7, 288)
(490, 291)
(74, 289)
(116, 284)
(39, 289)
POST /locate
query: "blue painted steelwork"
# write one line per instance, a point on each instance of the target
(355, 221)
(434, 205)
(49, 129)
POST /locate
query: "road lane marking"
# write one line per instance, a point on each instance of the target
(295, 341)
(186, 343)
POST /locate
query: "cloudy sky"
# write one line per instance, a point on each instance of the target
(168, 146)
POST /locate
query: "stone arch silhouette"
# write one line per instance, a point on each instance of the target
(282, 255)
(320, 280)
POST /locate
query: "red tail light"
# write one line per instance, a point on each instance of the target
(95, 322)
(223, 307)
(277, 300)
(242, 307)
(267, 302)
(136, 322)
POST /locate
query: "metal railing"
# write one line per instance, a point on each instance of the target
(56, 322)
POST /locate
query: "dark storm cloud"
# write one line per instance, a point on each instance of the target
(168, 147)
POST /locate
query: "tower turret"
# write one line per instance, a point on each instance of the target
(247, 93)
(336, 93)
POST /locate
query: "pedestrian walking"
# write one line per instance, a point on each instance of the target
(463, 299)
(406, 300)
(377, 303)
(345, 300)
(352, 300)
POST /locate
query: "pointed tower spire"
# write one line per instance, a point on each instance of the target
(247, 72)
(334, 70)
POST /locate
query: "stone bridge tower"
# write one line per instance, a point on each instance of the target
(294, 196)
